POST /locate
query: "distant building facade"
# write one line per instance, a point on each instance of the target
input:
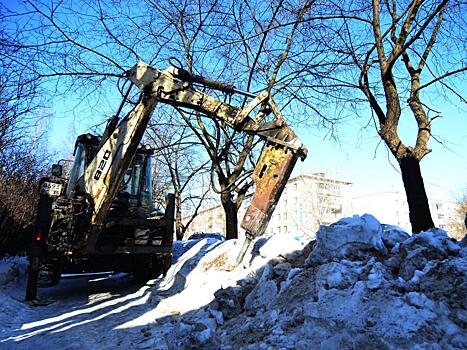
(307, 202)
(392, 208)
(210, 220)
(388, 207)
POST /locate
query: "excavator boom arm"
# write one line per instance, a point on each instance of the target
(105, 173)
(279, 155)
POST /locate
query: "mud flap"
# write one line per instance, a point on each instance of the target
(33, 274)
(168, 241)
(37, 243)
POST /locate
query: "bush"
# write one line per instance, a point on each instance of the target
(18, 201)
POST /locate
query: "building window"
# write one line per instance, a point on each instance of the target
(285, 229)
(336, 190)
(285, 216)
(300, 213)
(337, 210)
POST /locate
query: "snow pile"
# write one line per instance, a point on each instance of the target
(12, 268)
(205, 267)
(360, 285)
(13, 272)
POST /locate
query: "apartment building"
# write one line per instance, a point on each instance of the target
(391, 207)
(315, 199)
(388, 207)
(307, 202)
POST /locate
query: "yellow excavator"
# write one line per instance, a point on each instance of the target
(100, 217)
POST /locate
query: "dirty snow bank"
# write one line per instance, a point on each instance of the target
(12, 268)
(359, 285)
(13, 272)
(204, 268)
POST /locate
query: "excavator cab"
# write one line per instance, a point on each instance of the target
(136, 190)
(134, 237)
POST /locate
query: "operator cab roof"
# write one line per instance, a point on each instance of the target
(94, 140)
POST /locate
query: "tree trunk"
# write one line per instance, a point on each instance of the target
(178, 216)
(419, 209)
(231, 219)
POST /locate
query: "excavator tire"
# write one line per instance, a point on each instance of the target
(146, 268)
(49, 275)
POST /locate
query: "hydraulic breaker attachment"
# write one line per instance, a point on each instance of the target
(271, 175)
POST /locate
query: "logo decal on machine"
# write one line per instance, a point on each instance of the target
(102, 165)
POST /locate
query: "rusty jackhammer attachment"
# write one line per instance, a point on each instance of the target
(271, 174)
(249, 237)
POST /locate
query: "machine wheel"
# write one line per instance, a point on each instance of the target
(166, 263)
(49, 275)
(146, 268)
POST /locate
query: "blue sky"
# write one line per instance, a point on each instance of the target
(372, 169)
(356, 157)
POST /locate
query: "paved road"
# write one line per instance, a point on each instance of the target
(85, 313)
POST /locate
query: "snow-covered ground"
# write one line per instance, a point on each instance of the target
(359, 285)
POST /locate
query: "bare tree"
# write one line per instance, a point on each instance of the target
(23, 160)
(253, 45)
(457, 228)
(251, 48)
(393, 51)
(22, 106)
(186, 169)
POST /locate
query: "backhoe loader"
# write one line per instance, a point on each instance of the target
(101, 217)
